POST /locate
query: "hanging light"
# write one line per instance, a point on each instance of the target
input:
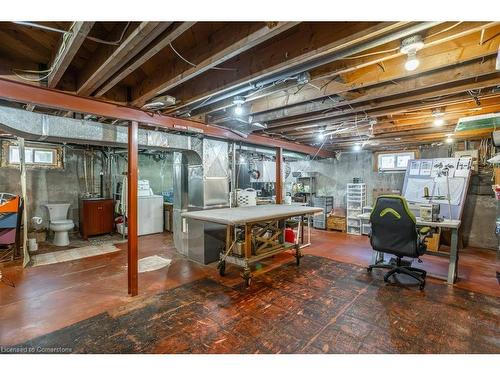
(410, 46)
(438, 117)
(238, 101)
(356, 147)
(412, 62)
(449, 139)
(321, 136)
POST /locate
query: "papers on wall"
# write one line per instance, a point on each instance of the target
(443, 166)
(463, 167)
(425, 167)
(414, 167)
(438, 188)
(415, 189)
(456, 186)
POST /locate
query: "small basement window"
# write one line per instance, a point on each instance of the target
(395, 161)
(35, 155)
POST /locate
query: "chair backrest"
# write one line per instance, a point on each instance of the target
(393, 227)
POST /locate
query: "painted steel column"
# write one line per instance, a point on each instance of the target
(132, 181)
(22, 166)
(279, 175)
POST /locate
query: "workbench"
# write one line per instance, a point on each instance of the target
(453, 225)
(257, 230)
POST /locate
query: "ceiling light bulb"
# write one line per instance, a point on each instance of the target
(321, 136)
(412, 62)
(439, 121)
(238, 110)
(449, 140)
(356, 147)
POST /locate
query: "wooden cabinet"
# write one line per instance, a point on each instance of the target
(96, 217)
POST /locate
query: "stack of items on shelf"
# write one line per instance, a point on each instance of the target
(356, 200)
(326, 203)
(11, 207)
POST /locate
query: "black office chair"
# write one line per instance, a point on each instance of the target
(394, 231)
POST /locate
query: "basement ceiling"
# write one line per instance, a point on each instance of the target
(328, 84)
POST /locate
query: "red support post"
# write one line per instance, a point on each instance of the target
(132, 180)
(279, 175)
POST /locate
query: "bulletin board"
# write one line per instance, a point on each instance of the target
(431, 174)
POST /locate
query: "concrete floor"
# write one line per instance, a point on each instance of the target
(48, 298)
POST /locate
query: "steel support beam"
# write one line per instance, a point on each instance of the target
(43, 97)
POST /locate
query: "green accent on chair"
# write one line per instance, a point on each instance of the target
(392, 211)
(405, 205)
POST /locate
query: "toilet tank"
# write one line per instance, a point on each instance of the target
(58, 211)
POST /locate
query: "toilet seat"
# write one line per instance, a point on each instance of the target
(59, 222)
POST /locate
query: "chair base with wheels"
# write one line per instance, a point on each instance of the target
(398, 266)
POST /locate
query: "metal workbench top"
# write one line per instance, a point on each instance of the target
(250, 214)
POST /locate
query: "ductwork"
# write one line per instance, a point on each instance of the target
(41, 127)
(299, 70)
(201, 166)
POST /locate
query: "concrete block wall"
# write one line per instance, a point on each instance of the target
(67, 184)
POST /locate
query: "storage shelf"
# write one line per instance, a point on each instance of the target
(356, 200)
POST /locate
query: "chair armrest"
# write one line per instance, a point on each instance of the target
(425, 232)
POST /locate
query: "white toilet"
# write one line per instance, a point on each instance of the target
(58, 222)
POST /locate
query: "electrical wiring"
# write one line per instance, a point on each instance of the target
(194, 65)
(49, 71)
(66, 35)
(95, 39)
(444, 30)
(370, 54)
(112, 43)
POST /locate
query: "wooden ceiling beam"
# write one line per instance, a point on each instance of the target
(403, 109)
(109, 58)
(307, 42)
(484, 76)
(161, 42)
(454, 61)
(67, 50)
(322, 84)
(239, 41)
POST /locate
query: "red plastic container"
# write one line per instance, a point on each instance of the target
(289, 235)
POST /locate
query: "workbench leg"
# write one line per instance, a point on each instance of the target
(247, 275)
(453, 266)
(298, 254)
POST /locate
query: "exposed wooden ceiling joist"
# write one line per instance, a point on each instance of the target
(68, 48)
(491, 79)
(224, 47)
(363, 72)
(307, 42)
(156, 46)
(294, 101)
(109, 58)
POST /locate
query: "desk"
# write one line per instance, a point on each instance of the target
(454, 225)
(260, 230)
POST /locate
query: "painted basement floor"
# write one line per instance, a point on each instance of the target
(328, 304)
